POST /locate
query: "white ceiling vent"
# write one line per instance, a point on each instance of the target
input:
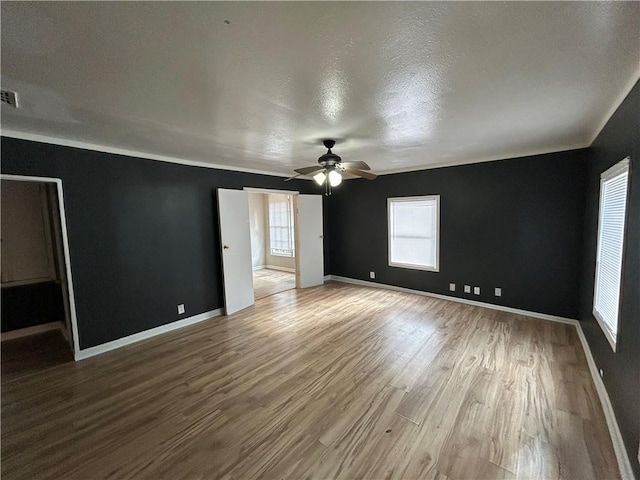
(9, 97)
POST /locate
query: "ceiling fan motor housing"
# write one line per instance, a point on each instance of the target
(329, 159)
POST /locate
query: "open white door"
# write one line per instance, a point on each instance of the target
(235, 241)
(309, 248)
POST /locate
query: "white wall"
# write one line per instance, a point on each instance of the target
(257, 227)
(276, 260)
(27, 254)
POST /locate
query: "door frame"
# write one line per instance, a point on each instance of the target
(294, 193)
(65, 247)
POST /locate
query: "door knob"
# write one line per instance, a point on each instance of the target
(226, 247)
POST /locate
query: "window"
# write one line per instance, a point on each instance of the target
(613, 201)
(414, 224)
(281, 225)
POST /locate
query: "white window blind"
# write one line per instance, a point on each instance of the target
(613, 201)
(281, 225)
(414, 232)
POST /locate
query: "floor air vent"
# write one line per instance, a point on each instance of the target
(9, 97)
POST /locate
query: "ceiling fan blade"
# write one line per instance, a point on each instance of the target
(292, 178)
(357, 165)
(360, 173)
(308, 170)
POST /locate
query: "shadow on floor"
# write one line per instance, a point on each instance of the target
(24, 356)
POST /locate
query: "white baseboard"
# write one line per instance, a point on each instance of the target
(327, 278)
(137, 337)
(616, 437)
(25, 332)
(282, 269)
(259, 267)
(517, 311)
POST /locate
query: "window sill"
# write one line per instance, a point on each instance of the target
(608, 335)
(414, 267)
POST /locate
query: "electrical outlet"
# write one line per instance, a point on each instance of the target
(181, 309)
(476, 290)
(498, 292)
(467, 289)
(372, 274)
(452, 287)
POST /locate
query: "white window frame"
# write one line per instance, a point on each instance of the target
(612, 172)
(291, 253)
(435, 268)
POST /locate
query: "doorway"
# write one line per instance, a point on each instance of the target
(306, 247)
(273, 250)
(38, 324)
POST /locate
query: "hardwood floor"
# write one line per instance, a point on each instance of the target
(331, 382)
(35, 353)
(269, 282)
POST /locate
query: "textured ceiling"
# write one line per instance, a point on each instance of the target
(257, 85)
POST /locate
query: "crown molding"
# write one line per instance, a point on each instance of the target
(96, 147)
(614, 107)
(181, 161)
(457, 163)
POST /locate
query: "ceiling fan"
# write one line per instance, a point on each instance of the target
(331, 167)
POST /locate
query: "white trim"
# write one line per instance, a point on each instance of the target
(283, 255)
(25, 332)
(615, 170)
(603, 325)
(392, 200)
(615, 105)
(502, 308)
(267, 191)
(259, 267)
(614, 431)
(35, 137)
(65, 247)
(327, 278)
(96, 147)
(459, 163)
(137, 337)
(282, 269)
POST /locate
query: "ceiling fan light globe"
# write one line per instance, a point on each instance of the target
(335, 178)
(319, 178)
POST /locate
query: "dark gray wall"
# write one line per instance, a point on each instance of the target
(620, 138)
(143, 234)
(515, 224)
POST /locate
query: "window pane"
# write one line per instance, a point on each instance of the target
(280, 225)
(613, 198)
(413, 236)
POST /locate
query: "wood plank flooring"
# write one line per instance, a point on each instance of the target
(33, 354)
(269, 282)
(336, 381)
